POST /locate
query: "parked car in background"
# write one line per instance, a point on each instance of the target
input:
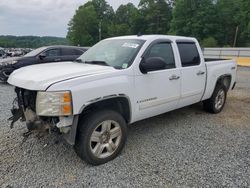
(2, 53)
(38, 56)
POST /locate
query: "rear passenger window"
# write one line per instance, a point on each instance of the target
(189, 54)
(68, 51)
(163, 50)
(78, 52)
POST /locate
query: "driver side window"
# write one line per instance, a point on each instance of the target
(52, 53)
(163, 50)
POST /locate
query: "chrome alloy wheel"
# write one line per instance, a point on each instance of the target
(220, 99)
(105, 139)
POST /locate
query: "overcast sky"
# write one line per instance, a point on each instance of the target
(41, 17)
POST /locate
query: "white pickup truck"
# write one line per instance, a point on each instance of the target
(115, 83)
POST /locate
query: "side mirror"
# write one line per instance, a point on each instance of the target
(42, 56)
(152, 64)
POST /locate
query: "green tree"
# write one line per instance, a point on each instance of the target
(228, 19)
(244, 25)
(209, 42)
(156, 16)
(105, 14)
(90, 20)
(30, 41)
(83, 27)
(194, 18)
(126, 19)
(213, 22)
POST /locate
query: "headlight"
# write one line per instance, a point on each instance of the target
(54, 103)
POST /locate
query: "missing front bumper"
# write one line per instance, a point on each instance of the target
(24, 110)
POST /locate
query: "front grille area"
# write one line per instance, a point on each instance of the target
(24, 108)
(26, 98)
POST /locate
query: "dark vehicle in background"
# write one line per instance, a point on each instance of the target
(2, 53)
(48, 54)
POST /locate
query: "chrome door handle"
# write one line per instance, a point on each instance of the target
(200, 73)
(174, 77)
(233, 68)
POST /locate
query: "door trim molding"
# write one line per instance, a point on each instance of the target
(157, 102)
(192, 93)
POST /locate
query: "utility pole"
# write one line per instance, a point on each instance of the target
(100, 30)
(236, 36)
(158, 24)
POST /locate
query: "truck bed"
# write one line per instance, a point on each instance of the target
(215, 69)
(214, 59)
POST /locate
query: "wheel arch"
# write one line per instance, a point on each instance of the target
(122, 105)
(119, 103)
(213, 81)
(225, 80)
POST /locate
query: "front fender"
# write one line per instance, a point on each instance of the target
(86, 91)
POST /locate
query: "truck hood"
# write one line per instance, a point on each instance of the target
(40, 77)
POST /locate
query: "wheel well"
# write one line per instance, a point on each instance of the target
(118, 104)
(225, 80)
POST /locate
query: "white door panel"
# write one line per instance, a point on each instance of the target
(193, 77)
(192, 85)
(156, 93)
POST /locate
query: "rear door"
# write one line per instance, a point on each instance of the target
(193, 73)
(52, 55)
(79, 52)
(158, 91)
(68, 54)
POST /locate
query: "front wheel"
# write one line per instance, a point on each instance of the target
(216, 103)
(101, 136)
(5, 73)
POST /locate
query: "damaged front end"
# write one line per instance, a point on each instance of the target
(24, 109)
(45, 111)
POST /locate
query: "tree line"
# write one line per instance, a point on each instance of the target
(214, 23)
(30, 41)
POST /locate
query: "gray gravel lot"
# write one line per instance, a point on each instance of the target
(183, 148)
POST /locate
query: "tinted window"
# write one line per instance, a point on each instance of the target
(189, 54)
(163, 50)
(78, 52)
(52, 52)
(68, 51)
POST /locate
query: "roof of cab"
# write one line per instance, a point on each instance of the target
(154, 37)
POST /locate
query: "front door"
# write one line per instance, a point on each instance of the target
(158, 91)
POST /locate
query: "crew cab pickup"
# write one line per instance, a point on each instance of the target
(115, 83)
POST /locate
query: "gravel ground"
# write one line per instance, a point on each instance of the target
(183, 148)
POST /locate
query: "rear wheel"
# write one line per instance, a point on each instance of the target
(216, 103)
(101, 137)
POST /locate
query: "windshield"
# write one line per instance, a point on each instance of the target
(35, 52)
(118, 53)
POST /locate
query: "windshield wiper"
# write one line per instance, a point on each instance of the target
(97, 63)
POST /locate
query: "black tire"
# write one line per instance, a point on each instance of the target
(210, 104)
(88, 125)
(4, 74)
(3, 78)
